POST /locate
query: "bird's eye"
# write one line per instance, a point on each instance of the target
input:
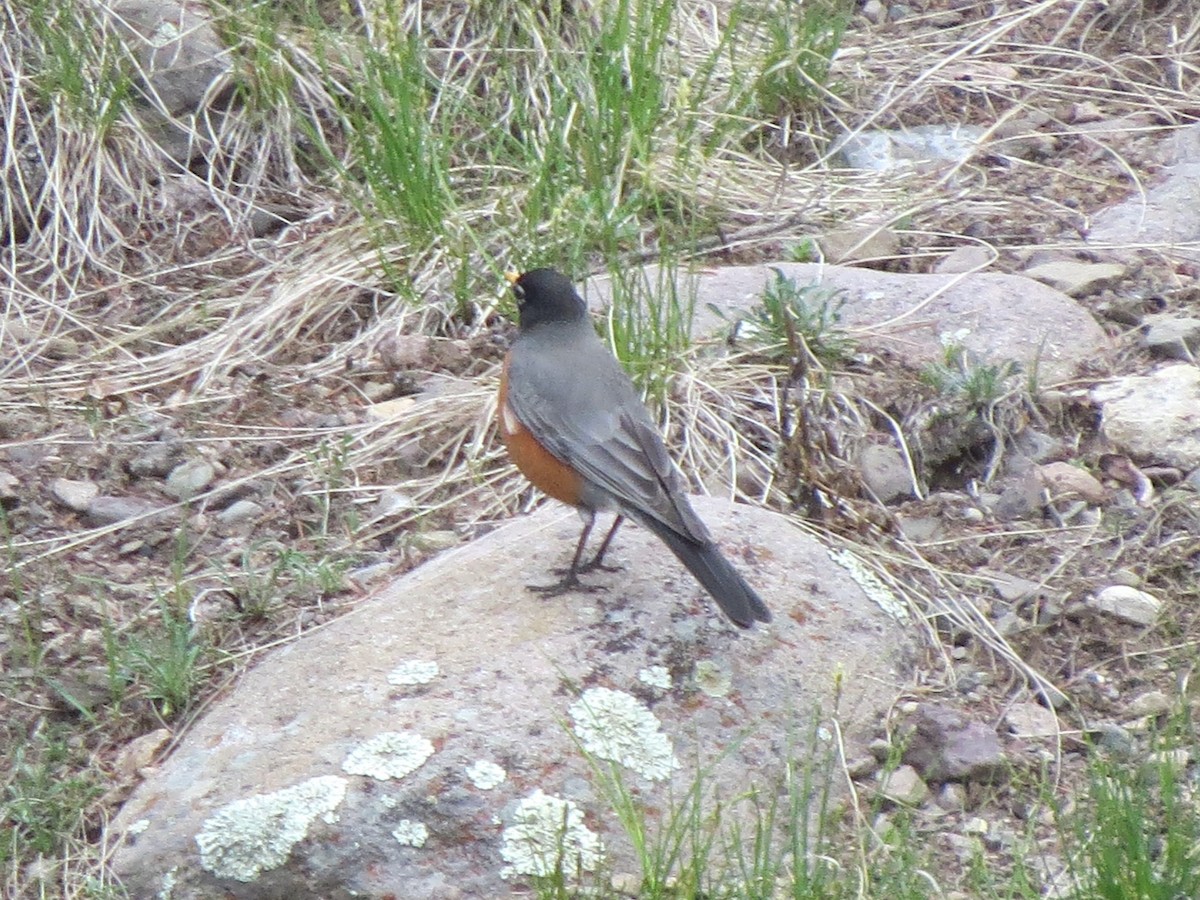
(519, 293)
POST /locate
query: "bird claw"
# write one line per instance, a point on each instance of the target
(597, 566)
(567, 584)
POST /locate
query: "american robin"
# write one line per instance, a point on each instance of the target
(576, 428)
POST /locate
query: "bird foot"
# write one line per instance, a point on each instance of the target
(597, 566)
(567, 584)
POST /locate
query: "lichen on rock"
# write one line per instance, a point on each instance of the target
(548, 835)
(616, 726)
(255, 834)
(393, 754)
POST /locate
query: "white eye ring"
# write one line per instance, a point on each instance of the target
(518, 292)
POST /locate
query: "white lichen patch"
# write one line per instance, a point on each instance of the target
(138, 827)
(657, 677)
(393, 754)
(713, 679)
(879, 592)
(616, 726)
(485, 775)
(414, 671)
(410, 833)
(547, 836)
(253, 835)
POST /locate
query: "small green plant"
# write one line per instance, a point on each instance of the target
(1137, 828)
(44, 797)
(649, 327)
(791, 315)
(959, 376)
(166, 660)
(802, 37)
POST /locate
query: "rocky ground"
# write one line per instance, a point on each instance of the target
(167, 521)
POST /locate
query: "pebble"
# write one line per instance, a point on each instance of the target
(1151, 703)
(8, 489)
(1076, 278)
(74, 495)
(885, 472)
(1128, 604)
(1065, 480)
(904, 786)
(105, 510)
(239, 511)
(1031, 720)
(1173, 337)
(190, 478)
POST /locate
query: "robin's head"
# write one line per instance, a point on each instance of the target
(544, 296)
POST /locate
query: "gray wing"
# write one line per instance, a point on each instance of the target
(575, 398)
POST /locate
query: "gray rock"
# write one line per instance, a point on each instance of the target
(874, 11)
(180, 56)
(1020, 498)
(866, 243)
(904, 787)
(1175, 337)
(106, 510)
(76, 495)
(239, 511)
(156, 461)
(1031, 720)
(1151, 703)
(1075, 278)
(995, 318)
(885, 472)
(1153, 417)
(9, 498)
(190, 478)
(942, 744)
(1127, 604)
(952, 797)
(1064, 480)
(449, 711)
(967, 258)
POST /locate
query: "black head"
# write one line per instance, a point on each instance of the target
(546, 295)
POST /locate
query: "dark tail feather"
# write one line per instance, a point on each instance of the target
(736, 598)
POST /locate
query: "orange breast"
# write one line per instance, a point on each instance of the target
(544, 470)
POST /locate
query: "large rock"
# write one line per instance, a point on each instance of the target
(452, 736)
(996, 317)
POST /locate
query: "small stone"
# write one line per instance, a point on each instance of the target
(874, 11)
(868, 242)
(391, 503)
(74, 495)
(156, 461)
(1172, 337)
(944, 745)
(976, 825)
(436, 541)
(952, 797)
(1114, 739)
(885, 472)
(105, 510)
(1020, 498)
(190, 478)
(1031, 720)
(973, 516)
(8, 489)
(1076, 278)
(862, 767)
(967, 258)
(1012, 588)
(1064, 480)
(239, 511)
(904, 786)
(1127, 604)
(1151, 703)
(141, 751)
(389, 409)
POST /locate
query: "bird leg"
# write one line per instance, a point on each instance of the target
(597, 560)
(570, 577)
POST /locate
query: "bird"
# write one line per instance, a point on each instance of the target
(575, 427)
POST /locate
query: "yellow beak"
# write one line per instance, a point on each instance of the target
(512, 277)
